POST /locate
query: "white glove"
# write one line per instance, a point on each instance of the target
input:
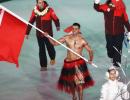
(128, 36)
(97, 1)
(125, 87)
(125, 93)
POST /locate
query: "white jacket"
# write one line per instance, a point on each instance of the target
(114, 90)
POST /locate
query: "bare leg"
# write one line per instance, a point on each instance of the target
(74, 95)
(80, 92)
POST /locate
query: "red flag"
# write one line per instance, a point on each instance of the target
(68, 29)
(12, 33)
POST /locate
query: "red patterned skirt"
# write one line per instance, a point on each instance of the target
(74, 73)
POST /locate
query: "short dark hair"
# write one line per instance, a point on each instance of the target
(108, 1)
(76, 24)
(43, 1)
(109, 70)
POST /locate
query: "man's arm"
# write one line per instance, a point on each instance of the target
(126, 21)
(103, 92)
(90, 51)
(32, 20)
(55, 19)
(124, 92)
(100, 7)
(61, 40)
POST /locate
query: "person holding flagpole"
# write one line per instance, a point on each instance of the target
(43, 15)
(116, 20)
(75, 76)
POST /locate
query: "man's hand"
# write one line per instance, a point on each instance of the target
(26, 36)
(128, 36)
(58, 28)
(46, 34)
(97, 1)
(90, 62)
(125, 87)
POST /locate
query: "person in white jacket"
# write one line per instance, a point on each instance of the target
(113, 89)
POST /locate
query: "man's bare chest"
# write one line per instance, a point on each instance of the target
(74, 43)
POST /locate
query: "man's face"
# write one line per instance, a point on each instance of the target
(112, 75)
(76, 29)
(40, 3)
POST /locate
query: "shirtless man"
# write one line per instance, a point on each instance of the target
(75, 75)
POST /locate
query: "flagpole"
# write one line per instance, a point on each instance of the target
(124, 72)
(118, 62)
(26, 22)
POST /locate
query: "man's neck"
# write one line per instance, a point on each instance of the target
(41, 8)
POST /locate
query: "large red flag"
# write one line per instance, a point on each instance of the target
(12, 33)
(68, 29)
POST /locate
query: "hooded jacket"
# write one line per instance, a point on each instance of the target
(43, 22)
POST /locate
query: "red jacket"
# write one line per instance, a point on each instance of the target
(43, 22)
(115, 20)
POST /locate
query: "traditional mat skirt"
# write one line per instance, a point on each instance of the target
(74, 73)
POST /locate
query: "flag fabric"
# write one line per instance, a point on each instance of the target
(12, 33)
(69, 29)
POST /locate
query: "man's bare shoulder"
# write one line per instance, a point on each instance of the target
(83, 40)
(65, 37)
(81, 37)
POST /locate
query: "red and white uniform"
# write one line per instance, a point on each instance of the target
(115, 17)
(44, 22)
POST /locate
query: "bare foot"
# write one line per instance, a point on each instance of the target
(52, 62)
(74, 98)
